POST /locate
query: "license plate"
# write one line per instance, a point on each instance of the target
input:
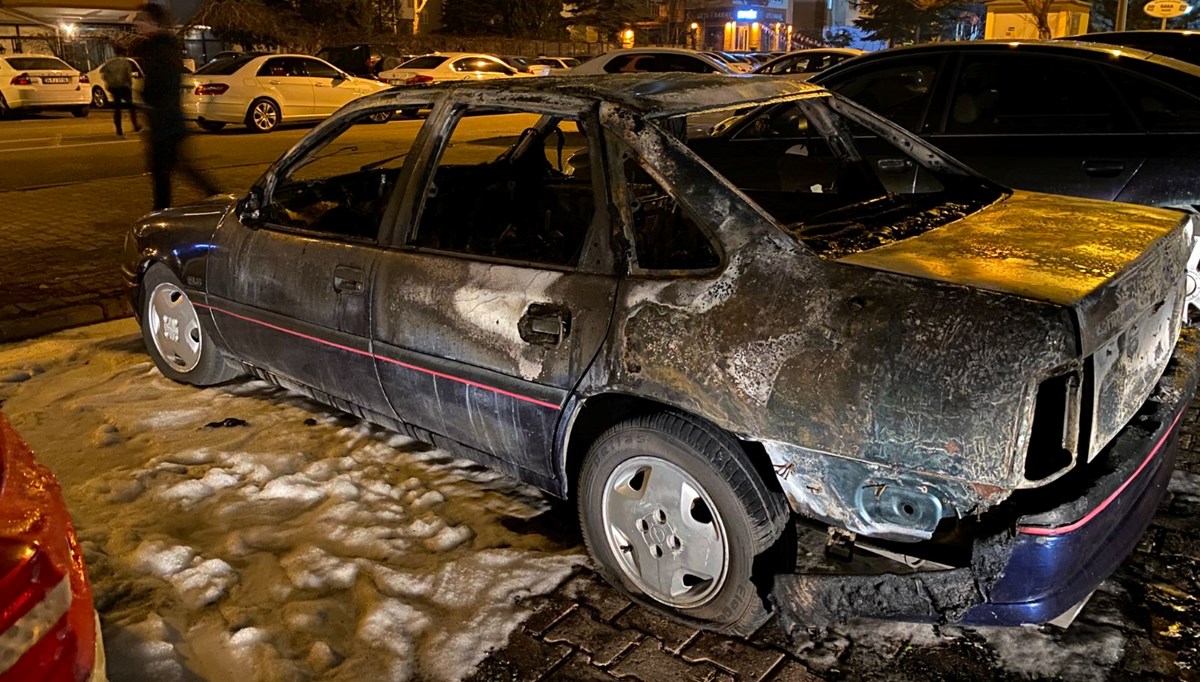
(56, 80)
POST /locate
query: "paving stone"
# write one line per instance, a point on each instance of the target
(523, 659)
(648, 662)
(792, 671)
(590, 589)
(578, 668)
(746, 661)
(672, 635)
(581, 629)
(547, 614)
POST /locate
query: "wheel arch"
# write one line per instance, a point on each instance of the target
(593, 415)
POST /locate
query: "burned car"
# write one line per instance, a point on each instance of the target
(721, 339)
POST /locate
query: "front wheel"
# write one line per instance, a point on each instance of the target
(674, 516)
(175, 336)
(81, 112)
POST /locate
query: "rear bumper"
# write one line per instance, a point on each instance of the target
(29, 98)
(1043, 564)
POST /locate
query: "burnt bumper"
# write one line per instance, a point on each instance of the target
(1044, 563)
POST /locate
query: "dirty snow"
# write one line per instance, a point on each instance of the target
(273, 550)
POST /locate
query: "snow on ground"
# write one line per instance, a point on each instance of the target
(275, 550)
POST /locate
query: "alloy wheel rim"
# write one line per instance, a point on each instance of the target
(175, 327)
(98, 99)
(665, 532)
(265, 116)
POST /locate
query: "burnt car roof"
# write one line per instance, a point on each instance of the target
(655, 94)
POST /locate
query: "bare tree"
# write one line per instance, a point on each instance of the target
(1040, 10)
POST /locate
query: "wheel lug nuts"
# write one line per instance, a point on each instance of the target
(675, 543)
(643, 525)
(660, 516)
(658, 552)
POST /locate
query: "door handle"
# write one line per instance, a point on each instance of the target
(1103, 168)
(893, 166)
(348, 280)
(544, 324)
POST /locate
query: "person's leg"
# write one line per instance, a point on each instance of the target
(132, 111)
(162, 159)
(117, 93)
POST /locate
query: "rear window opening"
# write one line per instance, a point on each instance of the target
(225, 66)
(426, 62)
(838, 184)
(38, 64)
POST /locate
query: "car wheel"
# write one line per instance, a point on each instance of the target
(81, 112)
(674, 516)
(210, 126)
(381, 117)
(263, 116)
(181, 347)
(5, 111)
(99, 99)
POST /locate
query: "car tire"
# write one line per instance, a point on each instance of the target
(263, 116)
(81, 112)
(211, 126)
(177, 338)
(635, 513)
(99, 99)
(381, 116)
(5, 110)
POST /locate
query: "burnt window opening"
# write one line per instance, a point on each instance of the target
(1054, 435)
(665, 236)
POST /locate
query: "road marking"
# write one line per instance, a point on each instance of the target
(64, 146)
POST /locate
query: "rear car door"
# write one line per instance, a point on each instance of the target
(285, 79)
(291, 288)
(488, 313)
(1040, 122)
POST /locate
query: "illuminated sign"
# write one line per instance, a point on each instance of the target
(747, 15)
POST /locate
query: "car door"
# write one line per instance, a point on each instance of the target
(290, 287)
(492, 307)
(1040, 122)
(332, 89)
(284, 78)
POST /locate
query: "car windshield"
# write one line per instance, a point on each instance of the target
(224, 66)
(427, 62)
(833, 175)
(37, 64)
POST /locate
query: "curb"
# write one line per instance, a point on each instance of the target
(28, 326)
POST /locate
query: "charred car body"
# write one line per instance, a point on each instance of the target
(690, 329)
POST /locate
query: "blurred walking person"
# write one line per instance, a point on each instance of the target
(118, 80)
(162, 66)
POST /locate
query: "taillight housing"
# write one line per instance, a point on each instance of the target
(83, 79)
(418, 79)
(211, 89)
(21, 79)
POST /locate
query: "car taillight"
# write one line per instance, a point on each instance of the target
(417, 79)
(83, 79)
(211, 89)
(22, 79)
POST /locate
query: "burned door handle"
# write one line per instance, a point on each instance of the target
(348, 280)
(544, 324)
(893, 166)
(1103, 168)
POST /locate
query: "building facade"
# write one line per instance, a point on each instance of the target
(741, 25)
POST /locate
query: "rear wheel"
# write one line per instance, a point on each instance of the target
(81, 112)
(210, 126)
(99, 99)
(263, 116)
(674, 516)
(175, 335)
(5, 111)
(381, 117)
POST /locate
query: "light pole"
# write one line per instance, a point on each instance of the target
(1122, 14)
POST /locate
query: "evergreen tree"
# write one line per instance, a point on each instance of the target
(900, 22)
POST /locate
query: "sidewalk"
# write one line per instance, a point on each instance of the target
(61, 249)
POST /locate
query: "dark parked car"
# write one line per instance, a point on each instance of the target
(1181, 45)
(1069, 118)
(364, 60)
(704, 339)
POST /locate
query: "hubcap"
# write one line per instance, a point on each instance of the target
(174, 327)
(665, 531)
(265, 116)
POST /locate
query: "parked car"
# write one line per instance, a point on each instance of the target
(652, 60)
(48, 626)
(101, 95)
(525, 65)
(1181, 45)
(735, 65)
(264, 91)
(451, 66)
(557, 64)
(1070, 118)
(364, 60)
(41, 82)
(806, 63)
(696, 337)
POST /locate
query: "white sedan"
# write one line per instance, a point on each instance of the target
(450, 66)
(557, 64)
(101, 96)
(37, 82)
(263, 91)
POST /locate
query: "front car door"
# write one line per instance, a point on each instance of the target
(290, 287)
(284, 79)
(499, 292)
(332, 89)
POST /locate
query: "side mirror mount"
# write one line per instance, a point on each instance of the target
(249, 208)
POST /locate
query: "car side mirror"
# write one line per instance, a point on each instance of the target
(249, 209)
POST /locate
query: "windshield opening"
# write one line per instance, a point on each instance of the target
(833, 176)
